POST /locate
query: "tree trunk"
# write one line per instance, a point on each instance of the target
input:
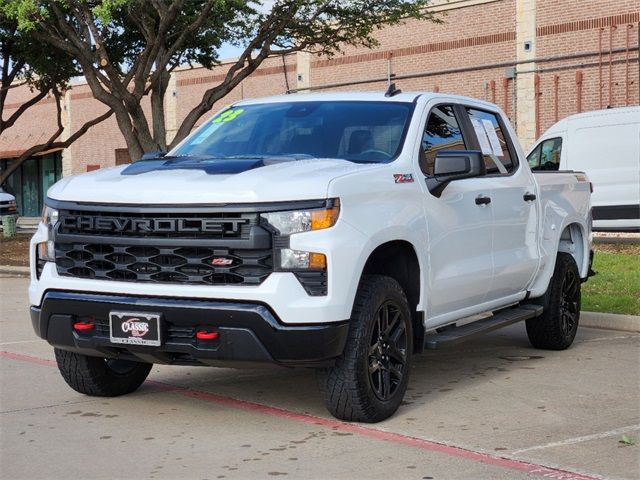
(158, 93)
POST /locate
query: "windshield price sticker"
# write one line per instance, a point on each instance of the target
(493, 138)
(228, 115)
(485, 146)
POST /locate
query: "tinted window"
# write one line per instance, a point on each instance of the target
(492, 140)
(441, 132)
(546, 156)
(356, 131)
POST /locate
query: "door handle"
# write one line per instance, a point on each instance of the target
(483, 200)
(529, 197)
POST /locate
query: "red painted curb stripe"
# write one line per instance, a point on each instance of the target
(28, 358)
(531, 468)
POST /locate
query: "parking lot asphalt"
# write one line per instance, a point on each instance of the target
(492, 408)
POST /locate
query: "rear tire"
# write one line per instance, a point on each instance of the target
(370, 378)
(101, 377)
(556, 328)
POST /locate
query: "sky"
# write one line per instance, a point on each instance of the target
(231, 51)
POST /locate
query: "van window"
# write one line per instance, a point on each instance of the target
(546, 156)
(493, 142)
(441, 132)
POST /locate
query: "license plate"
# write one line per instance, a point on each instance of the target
(135, 328)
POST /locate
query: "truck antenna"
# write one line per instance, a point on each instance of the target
(392, 90)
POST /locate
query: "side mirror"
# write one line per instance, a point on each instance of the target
(153, 155)
(453, 165)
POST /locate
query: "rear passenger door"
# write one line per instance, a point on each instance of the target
(514, 206)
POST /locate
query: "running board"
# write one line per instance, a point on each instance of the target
(455, 335)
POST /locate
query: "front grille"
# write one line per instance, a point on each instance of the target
(163, 246)
(190, 265)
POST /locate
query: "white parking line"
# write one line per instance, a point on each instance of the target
(586, 438)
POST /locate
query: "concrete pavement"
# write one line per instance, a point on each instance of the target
(493, 408)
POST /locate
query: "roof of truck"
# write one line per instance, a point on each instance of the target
(378, 96)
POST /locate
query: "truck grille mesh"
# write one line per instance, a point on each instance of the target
(191, 265)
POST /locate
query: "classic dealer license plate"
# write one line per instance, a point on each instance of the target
(135, 328)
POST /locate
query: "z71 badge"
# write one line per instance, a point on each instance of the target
(403, 177)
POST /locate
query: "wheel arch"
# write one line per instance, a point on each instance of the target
(398, 259)
(574, 242)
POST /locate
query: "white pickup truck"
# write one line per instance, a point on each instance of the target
(344, 232)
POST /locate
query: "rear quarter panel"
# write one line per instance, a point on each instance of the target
(565, 200)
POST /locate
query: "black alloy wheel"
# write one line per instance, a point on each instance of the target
(369, 380)
(387, 351)
(556, 328)
(569, 301)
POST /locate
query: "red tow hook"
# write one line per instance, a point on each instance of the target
(204, 335)
(83, 326)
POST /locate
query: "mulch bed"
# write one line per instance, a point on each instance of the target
(15, 251)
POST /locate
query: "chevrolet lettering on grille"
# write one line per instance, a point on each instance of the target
(142, 225)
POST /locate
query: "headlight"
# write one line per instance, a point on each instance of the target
(49, 216)
(46, 250)
(298, 221)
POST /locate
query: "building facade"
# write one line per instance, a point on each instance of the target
(540, 60)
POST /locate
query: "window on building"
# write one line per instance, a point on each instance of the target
(442, 132)
(492, 140)
(546, 156)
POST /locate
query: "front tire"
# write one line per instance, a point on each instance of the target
(370, 378)
(101, 377)
(556, 328)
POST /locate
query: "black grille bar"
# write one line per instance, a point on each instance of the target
(190, 265)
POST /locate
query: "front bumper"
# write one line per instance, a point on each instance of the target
(249, 332)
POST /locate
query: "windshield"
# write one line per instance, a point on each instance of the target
(355, 131)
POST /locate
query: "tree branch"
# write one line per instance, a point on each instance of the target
(51, 143)
(4, 124)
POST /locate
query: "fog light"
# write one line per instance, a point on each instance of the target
(297, 259)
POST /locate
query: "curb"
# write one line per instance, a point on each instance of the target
(610, 321)
(13, 270)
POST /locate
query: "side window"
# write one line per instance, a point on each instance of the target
(550, 154)
(442, 132)
(492, 141)
(534, 158)
(546, 156)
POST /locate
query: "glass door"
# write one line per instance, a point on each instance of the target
(31, 205)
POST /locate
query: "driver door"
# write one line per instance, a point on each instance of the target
(460, 260)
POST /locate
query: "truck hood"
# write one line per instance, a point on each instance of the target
(285, 181)
(6, 197)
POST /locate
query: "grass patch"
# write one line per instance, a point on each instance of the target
(616, 287)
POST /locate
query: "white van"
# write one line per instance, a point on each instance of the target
(606, 145)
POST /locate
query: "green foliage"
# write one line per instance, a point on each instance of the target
(627, 441)
(41, 66)
(104, 11)
(616, 287)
